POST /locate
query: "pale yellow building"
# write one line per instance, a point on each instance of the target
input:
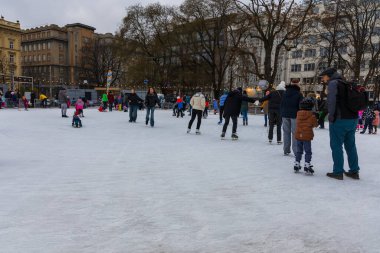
(10, 50)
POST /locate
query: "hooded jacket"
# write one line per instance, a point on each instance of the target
(306, 121)
(198, 102)
(291, 101)
(232, 107)
(104, 98)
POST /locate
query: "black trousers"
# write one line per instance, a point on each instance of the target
(221, 111)
(275, 119)
(227, 121)
(198, 114)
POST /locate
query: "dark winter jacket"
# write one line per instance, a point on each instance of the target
(244, 105)
(369, 114)
(275, 99)
(291, 101)
(151, 100)
(336, 100)
(111, 98)
(134, 99)
(232, 106)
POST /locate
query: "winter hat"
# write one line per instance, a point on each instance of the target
(295, 81)
(240, 89)
(281, 86)
(178, 97)
(328, 72)
(307, 104)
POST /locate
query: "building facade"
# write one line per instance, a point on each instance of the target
(53, 55)
(10, 51)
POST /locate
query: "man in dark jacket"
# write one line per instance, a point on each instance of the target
(232, 109)
(289, 108)
(134, 103)
(342, 126)
(274, 110)
(151, 100)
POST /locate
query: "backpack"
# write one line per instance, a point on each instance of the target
(356, 98)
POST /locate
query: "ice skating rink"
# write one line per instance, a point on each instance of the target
(117, 187)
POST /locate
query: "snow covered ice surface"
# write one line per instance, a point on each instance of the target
(118, 187)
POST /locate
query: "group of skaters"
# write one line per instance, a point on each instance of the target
(184, 103)
(295, 117)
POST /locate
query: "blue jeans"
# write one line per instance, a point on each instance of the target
(133, 113)
(289, 127)
(150, 113)
(245, 115)
(304, 146)
(342, 132)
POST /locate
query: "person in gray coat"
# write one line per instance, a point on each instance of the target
(62, 98)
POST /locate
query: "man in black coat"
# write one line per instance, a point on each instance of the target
(232, 108)
(274, 107)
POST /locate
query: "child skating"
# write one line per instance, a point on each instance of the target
(306, 121)
(76, 120)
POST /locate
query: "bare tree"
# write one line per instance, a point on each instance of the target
(277, 24)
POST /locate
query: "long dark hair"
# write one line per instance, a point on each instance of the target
(154, 91)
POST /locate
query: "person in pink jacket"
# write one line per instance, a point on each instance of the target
(376, 121)
(79, 105)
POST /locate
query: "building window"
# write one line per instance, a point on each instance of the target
(296, 68)
(297, 54)
(48, 45)
(39, 57)
(25, 59)
(30, 58)
(310, 53)
(43, 46)
(61, 58)
(12, 58)
(309, 67)
(48, 57)
(34, 47)
(30, 48)
(43, 57)
(39, 46)
(324, 52)
(11, 45)
(34, 58)
(60, 46)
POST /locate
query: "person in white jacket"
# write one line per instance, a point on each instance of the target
(198, 103)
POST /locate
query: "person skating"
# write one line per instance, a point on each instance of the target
(265, 108)
(376, 121)
(221, 106)
(215, 105)
(205, 111)
(79, 106)
(151, 100)
(76, 120)
(104, 102)
(198, 104)
(306, 121)
(25, 102)
(342, 126)
(232, 108)
(62, 98)
(180, 107)
(274, 111)
(322, 107)
(43, 100)
(368, 117)
(244, 110)
(134, 104)
(111, 100)
(289, 108)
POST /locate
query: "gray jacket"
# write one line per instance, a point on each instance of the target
(62, 96)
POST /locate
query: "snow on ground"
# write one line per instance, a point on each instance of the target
(118, 187)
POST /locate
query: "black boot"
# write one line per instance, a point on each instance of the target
(335, 176)
(234, 136)
(353, 175)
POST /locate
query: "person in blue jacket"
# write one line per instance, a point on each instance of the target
(221, 106)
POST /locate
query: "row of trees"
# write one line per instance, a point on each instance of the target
(199, 42)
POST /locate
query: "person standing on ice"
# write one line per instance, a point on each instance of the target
(134, 102)
(105, 101)
(306, 121)
(274, 109)
(265, 108)
(232, 109)
(289, 108)
(342, 128)
(79, 106)
(111, 100)
(62, 98)
(221, 106)
(198, 103)
(151, 100)
(244, 110)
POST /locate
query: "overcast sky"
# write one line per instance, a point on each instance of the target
(104, 15)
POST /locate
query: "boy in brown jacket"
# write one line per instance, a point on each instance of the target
(306, 121)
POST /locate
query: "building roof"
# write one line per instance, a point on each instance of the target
(81, 26)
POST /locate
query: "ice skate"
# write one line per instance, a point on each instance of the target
(197, 132)
(188, 130)
(308, 169)
(234, 137)
(223, 136)
(297, 167)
